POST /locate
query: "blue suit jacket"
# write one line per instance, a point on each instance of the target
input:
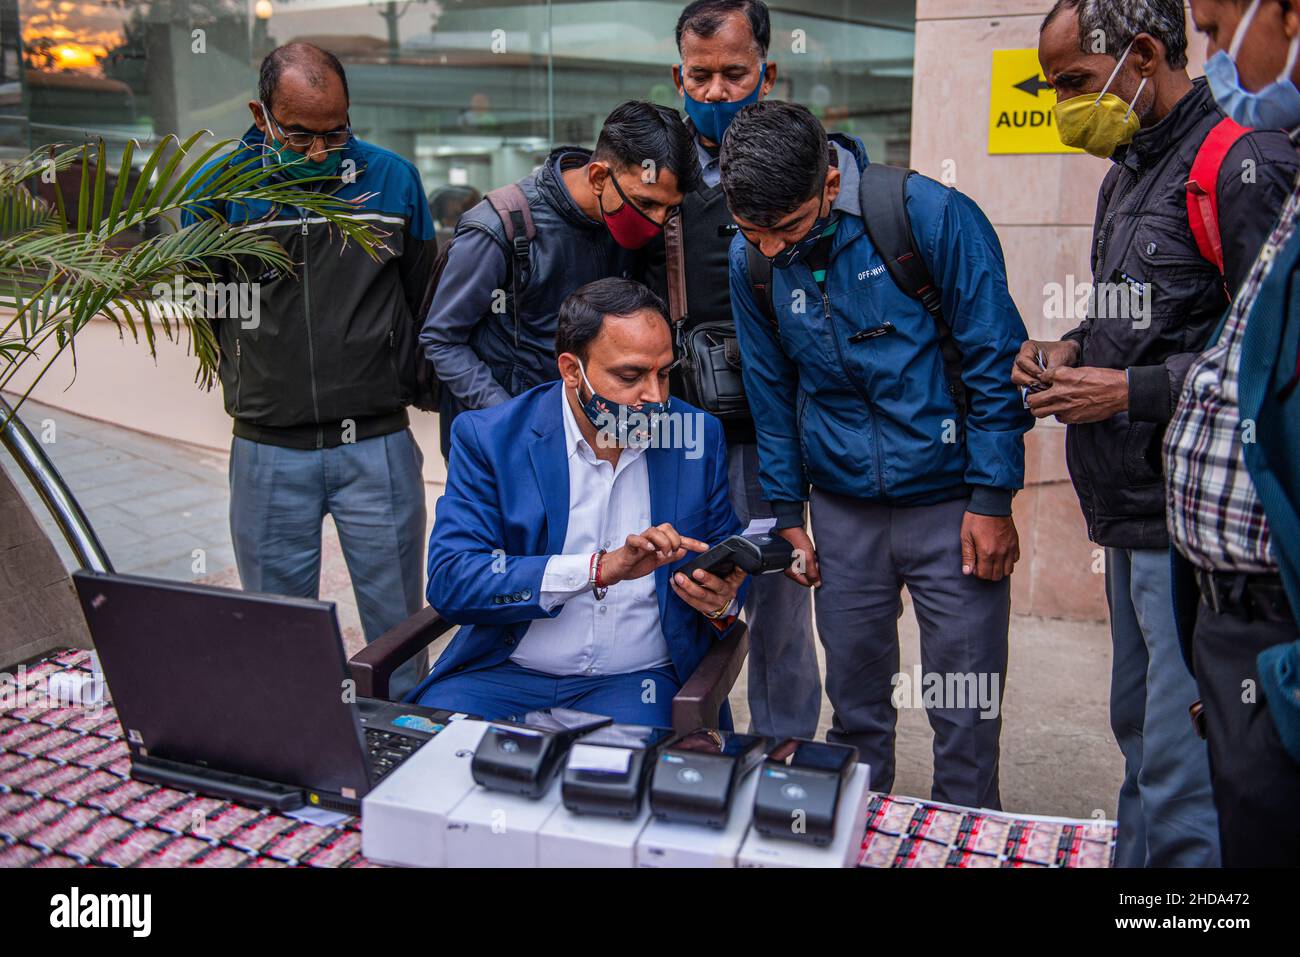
(506, 512)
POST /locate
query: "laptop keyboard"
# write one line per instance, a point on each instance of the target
(388, 750)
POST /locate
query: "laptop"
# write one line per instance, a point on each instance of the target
(243, 696)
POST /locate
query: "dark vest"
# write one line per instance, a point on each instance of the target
(707, 231)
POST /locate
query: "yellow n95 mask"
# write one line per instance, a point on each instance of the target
(1102, 124)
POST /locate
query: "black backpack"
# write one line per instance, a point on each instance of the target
(882, 190)
(511, 205)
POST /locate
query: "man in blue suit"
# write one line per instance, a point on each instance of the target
(566, 509)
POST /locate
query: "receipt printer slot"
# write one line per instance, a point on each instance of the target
(607, 769)
(523, 758)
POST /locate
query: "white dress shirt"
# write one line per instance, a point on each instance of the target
(621, 633)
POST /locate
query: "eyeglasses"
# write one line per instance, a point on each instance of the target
(671, 213)
(305, 140)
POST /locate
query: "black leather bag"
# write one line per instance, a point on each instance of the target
(710, 369)
(709, 352)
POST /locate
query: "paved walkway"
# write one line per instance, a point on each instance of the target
(160, 508)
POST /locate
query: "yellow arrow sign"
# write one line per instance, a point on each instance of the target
(1021, 119)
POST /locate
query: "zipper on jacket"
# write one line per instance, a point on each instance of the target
(1103, 237)
(311, 351)
(392, 363)
(875, 428)
(239, 374)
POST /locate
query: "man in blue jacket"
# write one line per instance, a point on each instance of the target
(855, 414)
(554, 544)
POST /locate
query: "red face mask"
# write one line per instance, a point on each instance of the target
(630, 227)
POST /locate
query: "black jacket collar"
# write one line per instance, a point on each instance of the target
(550, 184)
(1149, 146)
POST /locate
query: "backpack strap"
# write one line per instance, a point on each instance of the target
(511, 206)
(675, 270)
(1203, 188)
(882, 193)
(760, 281)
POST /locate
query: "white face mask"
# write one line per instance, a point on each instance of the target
(1276, 106)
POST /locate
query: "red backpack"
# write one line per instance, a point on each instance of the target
(1203, 189)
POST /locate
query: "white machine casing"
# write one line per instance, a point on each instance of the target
(588, 840)
(496, 829)
(404, 819)
(664, 844)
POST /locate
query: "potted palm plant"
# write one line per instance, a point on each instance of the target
(77, 245)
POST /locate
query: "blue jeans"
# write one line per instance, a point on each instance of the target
(508, 691)
(1166, 808)
(374, 489)
(785, 685)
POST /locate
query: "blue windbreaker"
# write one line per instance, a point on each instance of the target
(873, 419)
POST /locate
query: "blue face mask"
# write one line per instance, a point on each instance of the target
(1276, 107)
(712, 119)
(621, 424)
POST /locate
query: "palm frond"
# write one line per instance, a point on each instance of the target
(62, 267)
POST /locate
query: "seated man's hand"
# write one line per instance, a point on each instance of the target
(641, 554)
(706, 592)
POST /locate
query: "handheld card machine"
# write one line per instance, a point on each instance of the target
(764, 554)
(522, 758)
(696, 774)
(607, 769)
(799, 788)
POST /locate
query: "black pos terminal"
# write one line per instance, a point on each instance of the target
(799, 789)
(607, 769)
(696, 775)
(761, 554)
(522, 758)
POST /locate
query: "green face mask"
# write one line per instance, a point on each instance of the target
(297, 166)
(1102, 124)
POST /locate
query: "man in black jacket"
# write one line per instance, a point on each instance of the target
(723, 46)
(318, 379)
(1115, 378)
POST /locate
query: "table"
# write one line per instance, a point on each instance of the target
(67, 800)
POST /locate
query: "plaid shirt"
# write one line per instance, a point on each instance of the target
(1215, 516)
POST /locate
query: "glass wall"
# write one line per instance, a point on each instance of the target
(475, 92)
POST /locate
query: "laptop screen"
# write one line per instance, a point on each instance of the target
(225, 680)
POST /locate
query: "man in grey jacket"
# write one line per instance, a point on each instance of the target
(490, 335)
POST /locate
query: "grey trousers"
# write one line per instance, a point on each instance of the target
(1166, 807)
(785, 686)
(867, 552)
(374, 489)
